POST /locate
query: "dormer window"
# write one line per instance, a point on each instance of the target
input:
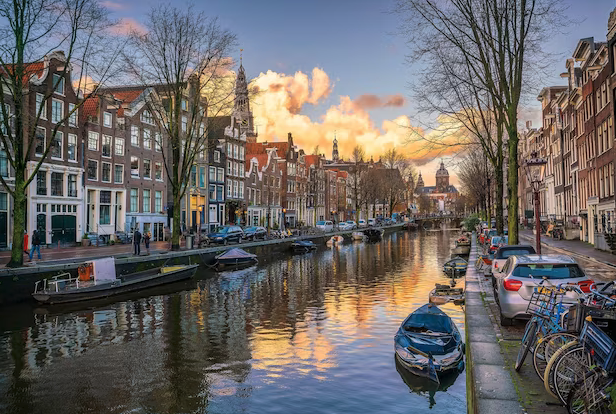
(107, 119)
(58, 84)
(146, 116)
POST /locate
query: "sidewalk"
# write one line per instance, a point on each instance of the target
(573, 247)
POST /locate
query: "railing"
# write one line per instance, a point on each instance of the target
(55, 281)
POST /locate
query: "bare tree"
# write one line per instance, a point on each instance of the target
(184, 59)
(425, 204)
(356, 175)
(473, 173)
(30, 32)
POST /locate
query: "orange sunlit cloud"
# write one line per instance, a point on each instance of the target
(281, 98)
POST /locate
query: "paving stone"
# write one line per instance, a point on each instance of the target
(473, 309)
(486, 353)
(477, 337)
(493, 381)
(490, 406)
(474, 321)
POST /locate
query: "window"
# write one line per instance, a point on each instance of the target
(56, 145)
(58, 84)
(146, 116)
(146, 201)
(158, 144)
(147, 139)
(93, 141)
(72, 147)
(184, 105)
(118, 174)
(158, 201)
(193, 176)
(147, 169)
(40, 102)
(4, 163)
(241, 190)
(212, 192)
(212, 174)
(106, 174)
(134, 166)
(57, 110)
(134, 136)
(92, 170)
(235, 151)
(72, 185)
(219, 192)
(72, 118)
(216, 156)
(220, 175)
(235, 189)
(41, 182)
(229, 166)
(242, 153)
(229, 189)
(119, 146)
(107, 119)
(106, 146)
(202, 177)
(184, 123)
(134, 200)
(158, 171)
(57, 182)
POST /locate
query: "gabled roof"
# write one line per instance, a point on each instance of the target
(90, 107)
(311, 160)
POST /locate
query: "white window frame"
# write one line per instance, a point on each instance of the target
(150, 161)
(184, 123)
(111, 149)
(68, 145)
(107, 116)
(158, 208)
(158, 145)
(116, 146)
(121, 175)
(220, 175)
(162, 172)
(40, 154)
(61, 83)
(38, 105)
(73, 119)
(54, 100)
(131, 167)
(91, 134)
(61, 157)
(216, 156)
(110, 172)
(134, 133)
(88, 170)
(149, 205)
(147, 138)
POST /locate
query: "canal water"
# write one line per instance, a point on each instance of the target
(296, 334)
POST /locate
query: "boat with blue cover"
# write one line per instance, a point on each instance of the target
(303, 246)
(429, 344)
(455, 266)
(234, 258)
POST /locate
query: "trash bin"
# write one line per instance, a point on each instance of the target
(189, 242)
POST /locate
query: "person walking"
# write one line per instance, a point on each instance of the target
(146, 241)
(137, 242)
(36, 245)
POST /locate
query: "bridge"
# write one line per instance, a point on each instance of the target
(435, 221)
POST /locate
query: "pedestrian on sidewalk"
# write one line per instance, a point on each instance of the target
(137, 242)
(146, 241)
(36, 245)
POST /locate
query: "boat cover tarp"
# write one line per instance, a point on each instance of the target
(303, 243)
(236, 253)
(429, 317)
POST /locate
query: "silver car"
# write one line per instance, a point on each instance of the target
(516, 282)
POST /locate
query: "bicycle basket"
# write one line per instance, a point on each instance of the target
(601, 347)
(543, 301)
(579, 312)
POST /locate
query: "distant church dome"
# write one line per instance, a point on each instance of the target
(442, 171)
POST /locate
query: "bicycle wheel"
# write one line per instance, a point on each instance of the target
(546, 347)
(569, 369)
(527, 342)
(589, 395)
(548, 374)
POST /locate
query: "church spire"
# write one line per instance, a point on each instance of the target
(335, 156)
(242, 114)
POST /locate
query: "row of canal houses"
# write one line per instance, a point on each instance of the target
(105, 170)
(577, 139)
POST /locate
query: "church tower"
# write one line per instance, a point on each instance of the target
(335, 156)
(420, 184)
(442, 179)
(242, 115)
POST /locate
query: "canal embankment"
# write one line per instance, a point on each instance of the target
(17, 284)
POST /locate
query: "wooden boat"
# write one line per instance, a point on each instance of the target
(429, 344)
(102, 282)
(303, 246)
(235, 258)
(457, 265)
(358, 235)
(442, 294)
(335, 240)
(463, 241)
(462, 251)
(373, 235)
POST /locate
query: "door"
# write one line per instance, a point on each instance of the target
(3, 228)
(41, 226)
(64, 229)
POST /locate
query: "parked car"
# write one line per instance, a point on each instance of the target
(347, 225)
(362, 223)
(226, 234)
(325, 225)
(255, 232)
(515, 284)
(388, 221)
(504, 252)
(496, 242)
(488, 237)
(372, 222)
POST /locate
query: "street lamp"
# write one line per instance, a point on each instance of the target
(282, 222)
(535, 168)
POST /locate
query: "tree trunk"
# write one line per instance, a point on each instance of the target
(177, 225)
(512, 186)
(19, 215)
(499, 194)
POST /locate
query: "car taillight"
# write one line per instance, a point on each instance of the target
(585, 285)
(512, 285)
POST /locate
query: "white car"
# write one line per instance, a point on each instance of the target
(348, 225)
(372, 222)
(362, 223)
(325, 225)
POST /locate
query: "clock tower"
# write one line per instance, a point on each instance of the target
(241, 115)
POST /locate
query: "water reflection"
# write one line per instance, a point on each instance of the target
(307, 333)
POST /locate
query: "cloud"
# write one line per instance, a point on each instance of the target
(278, 105)
(369, 101)
(126, 26)
(112, 5)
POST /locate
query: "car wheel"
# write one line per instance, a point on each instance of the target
(503, 320)
(225, 242)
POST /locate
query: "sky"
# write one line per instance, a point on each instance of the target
(339, 67)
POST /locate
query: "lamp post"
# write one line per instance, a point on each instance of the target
(199, 226)
(282, 222)
(535, 168)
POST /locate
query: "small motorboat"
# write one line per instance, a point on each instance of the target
(97, 279)
(373, 235)
(234, 258)
(358, 235)
(455, 266)
(463, 241)
(442, 294)
(303, 246)
(429, 344)
(335, 240)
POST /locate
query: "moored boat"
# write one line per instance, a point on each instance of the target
(429, 344)
(358, 235)
(462, 251)
(374, 234)
(335, 240)
(234, 258)
(463, 241)
(442, 294)
(457, 265)
(303, 246)
(100, 281)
